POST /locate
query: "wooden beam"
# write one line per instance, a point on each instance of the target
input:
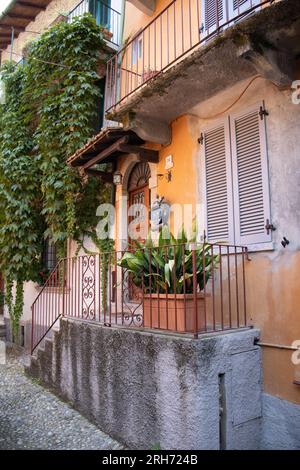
(146, 155)
(18, 29)
(31, 5)
(107, 152)
(20, 16)
(107, 177)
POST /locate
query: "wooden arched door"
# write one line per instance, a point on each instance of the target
(139, 202)
(138, 214)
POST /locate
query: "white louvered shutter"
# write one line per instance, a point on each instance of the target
(250, 177)
(237, 7)
(210, 15)
(218, 184)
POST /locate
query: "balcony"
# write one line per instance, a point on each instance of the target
(186, 289)
(105, 15)
(194, 49)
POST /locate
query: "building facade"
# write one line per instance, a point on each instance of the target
(213, 90)
(205, 94)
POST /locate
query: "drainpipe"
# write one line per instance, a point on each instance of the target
(114, 188)
(276, 346)
(12, 38)
(122, 21)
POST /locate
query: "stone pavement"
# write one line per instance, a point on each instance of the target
(33, 418)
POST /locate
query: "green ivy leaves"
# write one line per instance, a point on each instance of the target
(50, 110)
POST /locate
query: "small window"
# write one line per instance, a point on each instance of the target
(49, 255)
(137, 50)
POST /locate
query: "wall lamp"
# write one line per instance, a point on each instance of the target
(117, 178)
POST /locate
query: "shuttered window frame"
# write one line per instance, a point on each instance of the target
(258, 240)
(202, 224)
(204, 195)
(238, 7)
(210, 16)
(227, 11)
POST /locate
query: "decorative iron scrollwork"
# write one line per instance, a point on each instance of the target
(132, 305)
(88, 287)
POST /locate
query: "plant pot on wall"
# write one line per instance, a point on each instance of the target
(148, 74)
(62, 17)
(174, 312)
(170, 274)
(106, 33)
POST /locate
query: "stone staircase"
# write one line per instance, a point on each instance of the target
(41, 362)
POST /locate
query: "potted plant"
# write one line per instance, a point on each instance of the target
(148, 74)
(107, 34)
(62, 17)
(166, 275)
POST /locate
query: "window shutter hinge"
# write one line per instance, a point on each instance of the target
(203, 237)
(269, 227)
(262, 112)
(201, 139)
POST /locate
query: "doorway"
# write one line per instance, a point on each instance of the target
(138, 203)
(138, 215)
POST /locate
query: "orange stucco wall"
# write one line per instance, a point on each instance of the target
(136, 19)
(273, 290)
(182, 187)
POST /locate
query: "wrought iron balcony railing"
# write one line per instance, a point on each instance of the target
(178, 29)
(105, 15)
(186, 288)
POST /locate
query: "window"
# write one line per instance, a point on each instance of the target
(219, 13)
(235, 169)
(137, 50)
(49, 255)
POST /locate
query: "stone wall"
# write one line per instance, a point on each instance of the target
(41, 22)
(281, 424)
(148, 389)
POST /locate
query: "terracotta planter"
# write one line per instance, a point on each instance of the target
(107, 34)
(60, 19)
(149, 74)
(167, 313)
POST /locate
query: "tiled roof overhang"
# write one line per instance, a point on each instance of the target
(17, 15)
(106, 146)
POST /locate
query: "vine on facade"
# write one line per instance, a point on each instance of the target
(49, 112)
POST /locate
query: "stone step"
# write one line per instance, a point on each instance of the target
(2, 331)
(44, 362)
(48, 346)
(42, 358)
(33, 369)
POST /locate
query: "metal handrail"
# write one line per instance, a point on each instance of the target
(97, 287)
(115, 26)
